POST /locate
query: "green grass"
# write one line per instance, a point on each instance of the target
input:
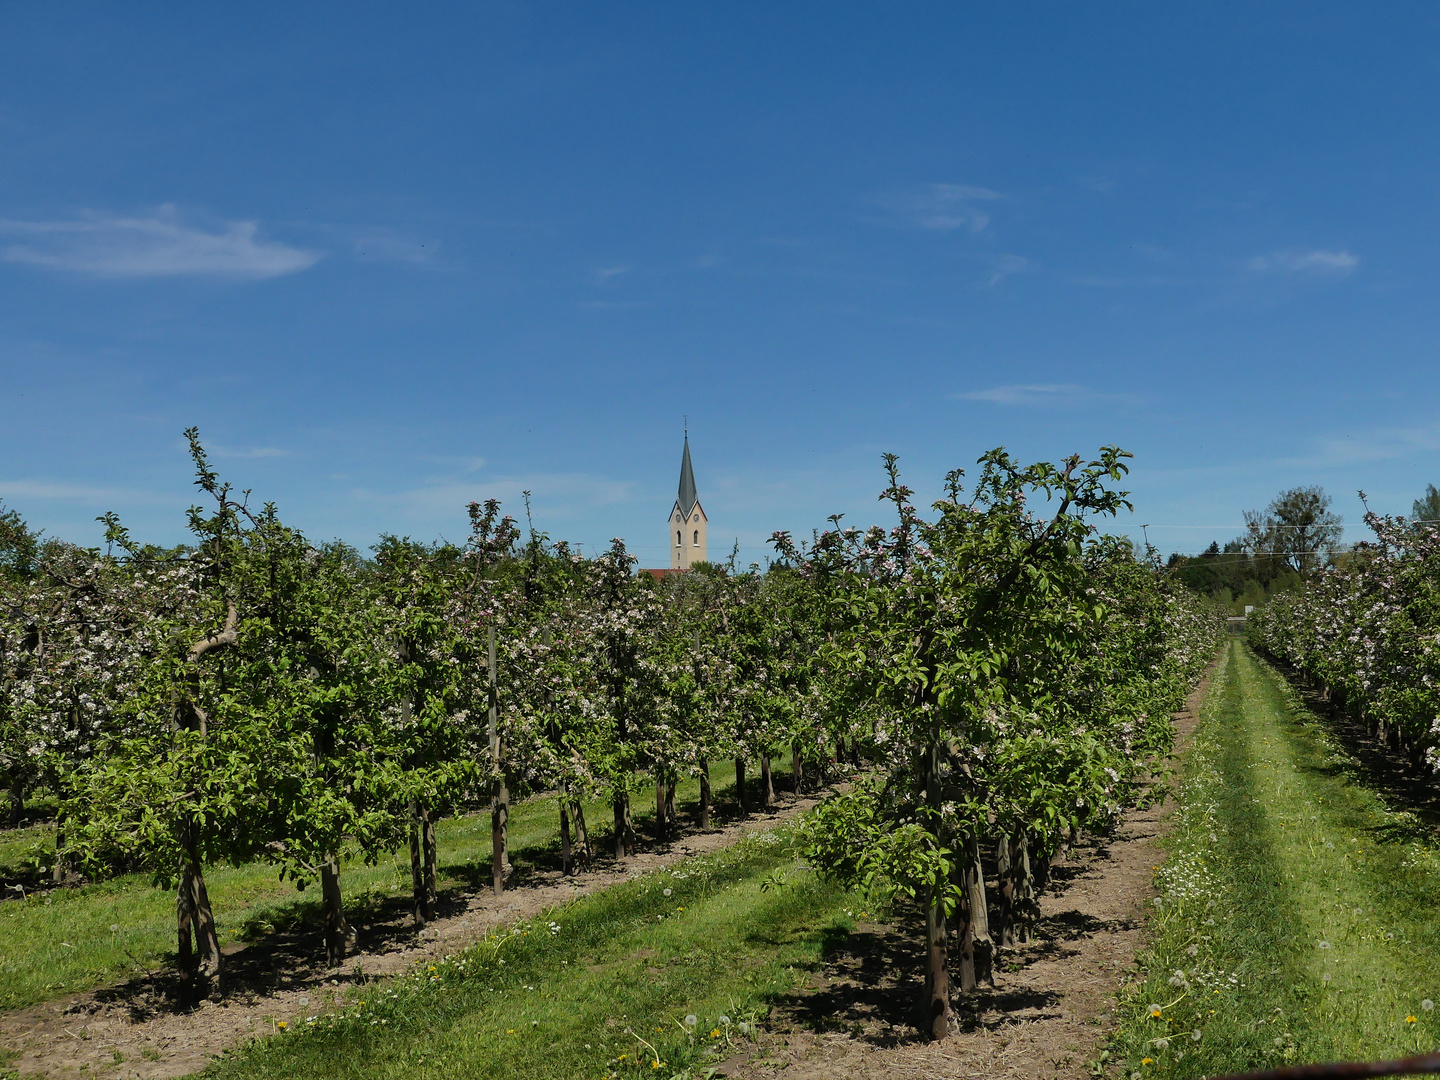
(75, 939)
(598, 987)
(1296, 917)
(17, 844)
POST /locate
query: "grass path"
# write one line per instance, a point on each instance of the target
(654, 977)
(1299, 917)
(69, 940)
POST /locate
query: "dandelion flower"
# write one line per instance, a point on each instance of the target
(1325, 977)
(1154, 1011)
(1427, 1004)
(724, 1019)
(1195, 1035)
(1161, 1044)
(691, 1020)
(1323, 944)
(282, 1025)
(1410, 1019)
(1147, 1061)
(667, 892)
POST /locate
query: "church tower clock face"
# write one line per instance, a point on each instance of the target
(687, 518)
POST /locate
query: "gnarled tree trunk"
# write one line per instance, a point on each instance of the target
(201, 972)
(979, 911)
(624, 830)
(704, 794)
(582, 835)
(423, 909)
(339, 936)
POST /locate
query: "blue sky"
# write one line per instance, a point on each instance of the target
(391, 258)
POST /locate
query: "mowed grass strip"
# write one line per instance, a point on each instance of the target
(653, 977)
(75, 939)
(1296, 916)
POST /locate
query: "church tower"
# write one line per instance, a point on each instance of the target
(687, 520)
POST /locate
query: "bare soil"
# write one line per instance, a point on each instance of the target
(1048, 1014)
(133, 1030)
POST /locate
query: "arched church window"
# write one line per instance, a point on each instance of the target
(678, 541)
(697, 536)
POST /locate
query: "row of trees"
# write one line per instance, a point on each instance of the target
(1018, 671)
(257, 696)
(1366, 630)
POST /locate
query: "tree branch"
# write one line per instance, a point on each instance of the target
(227, 636)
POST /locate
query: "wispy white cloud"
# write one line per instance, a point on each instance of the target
(387, 245)
(84, 493)
(1041, 395)
(605, 273)
(464, 464)
(247, 451)
(161, 245)
(607, 305)
(945, 207)
(1031, 394)
(1375, 444)
(1005, 265)
(1305, 262)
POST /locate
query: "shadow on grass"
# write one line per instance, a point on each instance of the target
(1372, 763)
(282, 948)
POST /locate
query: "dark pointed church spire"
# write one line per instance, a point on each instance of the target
(688, 496)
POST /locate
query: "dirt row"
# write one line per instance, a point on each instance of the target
(131, 1031)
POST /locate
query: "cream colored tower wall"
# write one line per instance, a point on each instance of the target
(687, 538)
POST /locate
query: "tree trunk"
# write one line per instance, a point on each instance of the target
(202, 969)
(1017, 890)
(499, 833)
(704, 794)
(740, 786)
(184, 946)
(417, 870)
(339, 937)
(797, 769)
(624, 830)
(978, 903)
(427, 836)
(938, 1016)
(767, 788)
(1005, 909)
(670, 801)
(660, 803)
(17, 804)
(567, 861)
(582, 836)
